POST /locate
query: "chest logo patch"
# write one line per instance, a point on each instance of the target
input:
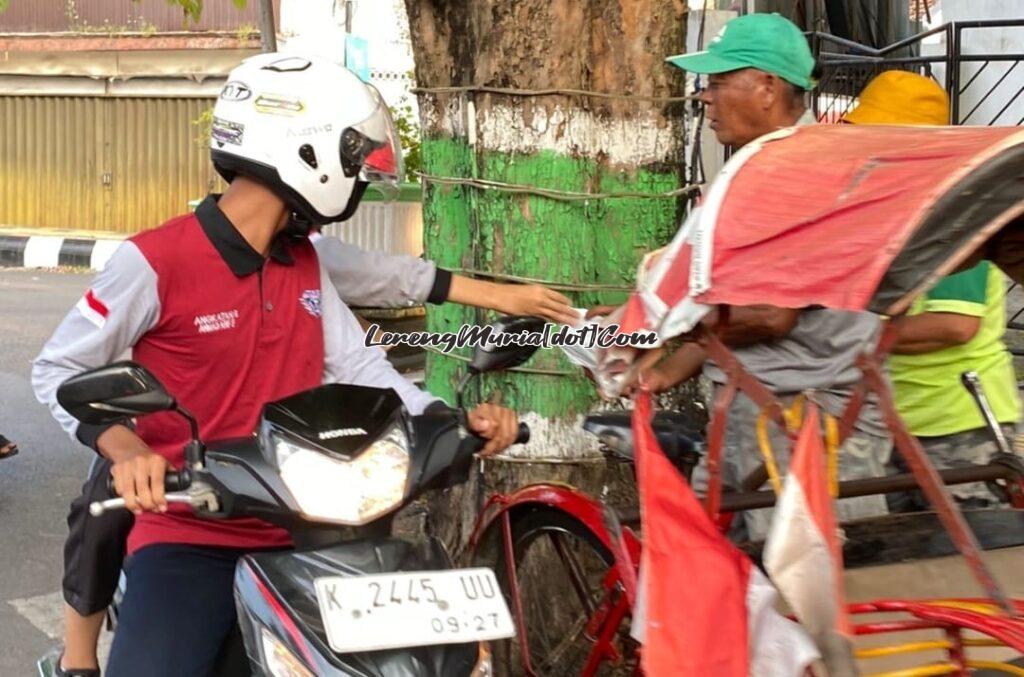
(206, 324)
(310, 300)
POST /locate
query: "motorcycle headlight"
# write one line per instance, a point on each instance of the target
(350, 492)
(279, 660)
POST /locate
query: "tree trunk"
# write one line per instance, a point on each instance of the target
(589, 249)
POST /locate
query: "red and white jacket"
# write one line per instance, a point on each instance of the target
(225, 331)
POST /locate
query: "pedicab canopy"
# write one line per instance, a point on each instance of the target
(842, 216)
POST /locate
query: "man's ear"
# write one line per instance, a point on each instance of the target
(772, 88)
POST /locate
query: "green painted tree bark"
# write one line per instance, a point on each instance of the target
(589, 249)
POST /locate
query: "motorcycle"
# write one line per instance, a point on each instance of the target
(333, 465)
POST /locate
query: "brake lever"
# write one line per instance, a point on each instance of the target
(199, 495)
(972, 382)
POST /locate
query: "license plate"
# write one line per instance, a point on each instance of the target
(389, 611)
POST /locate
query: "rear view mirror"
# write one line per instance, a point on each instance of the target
(494, 357)
(113, 393)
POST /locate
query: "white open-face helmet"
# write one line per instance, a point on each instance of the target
(309, 129)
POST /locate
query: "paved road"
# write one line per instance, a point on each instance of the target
(37, 485)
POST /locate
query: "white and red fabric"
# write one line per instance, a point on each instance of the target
(811, 215)
(706, 609)
(93, 309)
(803, 555)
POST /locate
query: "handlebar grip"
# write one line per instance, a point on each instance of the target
(177, 480)
(476, 443)
(524, 434)
(457, 470)
(174, 480)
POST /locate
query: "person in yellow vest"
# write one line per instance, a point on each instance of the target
(958, 326)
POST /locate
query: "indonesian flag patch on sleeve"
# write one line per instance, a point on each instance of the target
(93, 309)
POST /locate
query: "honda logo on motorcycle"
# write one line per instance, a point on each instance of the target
(341, 432)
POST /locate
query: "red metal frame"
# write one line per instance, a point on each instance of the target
(603, 648)
(583, 507)
(620, 583)
(940, 615)
(716, 446)
(929, 481)
(739, 379)
(957, 654)
(517, 601)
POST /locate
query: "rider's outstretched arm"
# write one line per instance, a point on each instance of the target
(513, 299)
(374, 279)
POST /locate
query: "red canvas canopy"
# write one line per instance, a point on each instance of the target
(844, 216)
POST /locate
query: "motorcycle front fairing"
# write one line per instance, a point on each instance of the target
(274, 591)
(340, 422)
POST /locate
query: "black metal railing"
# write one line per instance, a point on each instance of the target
(986, 78)
(847, 67)
(983, 86)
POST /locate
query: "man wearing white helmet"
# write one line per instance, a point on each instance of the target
(230, 308)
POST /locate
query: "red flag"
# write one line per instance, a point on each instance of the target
(705, 609)
(696, 581)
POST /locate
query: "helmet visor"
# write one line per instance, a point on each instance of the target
(372, 151)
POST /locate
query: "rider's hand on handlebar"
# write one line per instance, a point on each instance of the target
(138, 472)
(139, 479)
(498, 425)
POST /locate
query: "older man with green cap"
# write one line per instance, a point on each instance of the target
(759, 69)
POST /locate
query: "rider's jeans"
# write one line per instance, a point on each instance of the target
(178, 612)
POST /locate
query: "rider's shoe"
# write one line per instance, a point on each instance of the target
(49, 666)
(61, 672)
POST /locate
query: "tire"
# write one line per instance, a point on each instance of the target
(554, 611)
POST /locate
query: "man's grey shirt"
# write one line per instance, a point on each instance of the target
(820, 353)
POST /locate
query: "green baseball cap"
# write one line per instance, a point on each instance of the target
(767, 42)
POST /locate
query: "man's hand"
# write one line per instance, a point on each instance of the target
(601, 311)
(657, 381)
(138, 472)
(536, 300)
(683, 364)
(498, 425)
(753, 324)
(654, 379)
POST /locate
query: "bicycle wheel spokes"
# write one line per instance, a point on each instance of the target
(574, 571)
(559, 640)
